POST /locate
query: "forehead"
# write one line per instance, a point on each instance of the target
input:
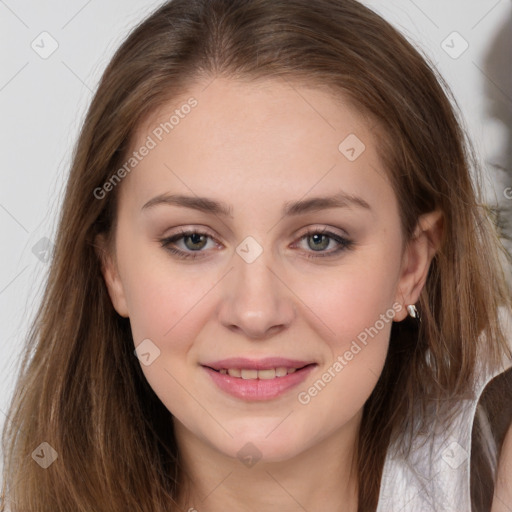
(269, 137)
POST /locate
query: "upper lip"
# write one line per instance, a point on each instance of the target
(257, 364)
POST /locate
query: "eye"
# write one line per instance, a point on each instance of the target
(194, 242)
(319, 239)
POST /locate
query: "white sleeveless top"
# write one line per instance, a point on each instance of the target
(435, 476)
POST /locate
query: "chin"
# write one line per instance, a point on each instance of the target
(264, 443)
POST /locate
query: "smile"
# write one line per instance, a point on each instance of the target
(250, 374)
(257, 384)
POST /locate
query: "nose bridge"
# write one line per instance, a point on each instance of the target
(254, 299)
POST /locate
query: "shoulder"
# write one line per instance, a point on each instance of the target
(502, 501)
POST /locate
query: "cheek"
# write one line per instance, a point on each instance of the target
(356, 313)
(164, 300)
(163, 303)
(358, 309)
(165, 306)
(356, 305)
(354, 296)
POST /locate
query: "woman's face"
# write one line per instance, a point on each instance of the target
(259, 171)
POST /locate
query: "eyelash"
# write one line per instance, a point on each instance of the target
(344, 243)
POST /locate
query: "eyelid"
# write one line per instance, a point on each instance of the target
(314, 229)
(182, 233)
(343, 241)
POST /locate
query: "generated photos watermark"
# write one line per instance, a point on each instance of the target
(151, 143)
(304, 397)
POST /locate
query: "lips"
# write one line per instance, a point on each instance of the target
(262, 379)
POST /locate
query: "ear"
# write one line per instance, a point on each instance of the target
(417, 257)
(111, 276)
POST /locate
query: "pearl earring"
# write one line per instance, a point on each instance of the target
(413, 311)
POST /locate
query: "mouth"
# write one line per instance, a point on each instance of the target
(263, 374)
(251, 380)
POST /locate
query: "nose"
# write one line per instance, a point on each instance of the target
(255, 299)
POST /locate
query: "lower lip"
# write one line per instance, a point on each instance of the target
(258, 389)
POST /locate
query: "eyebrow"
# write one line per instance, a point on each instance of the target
(290, 208)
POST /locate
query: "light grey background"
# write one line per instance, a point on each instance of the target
(43, 101)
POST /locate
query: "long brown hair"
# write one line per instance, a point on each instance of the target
(81, 389)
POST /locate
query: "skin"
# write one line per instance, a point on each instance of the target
(502, 501)
(255, 146)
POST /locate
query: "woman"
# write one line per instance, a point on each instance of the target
(274, 284)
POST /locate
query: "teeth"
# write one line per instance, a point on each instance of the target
(251, 374)
(267, 374)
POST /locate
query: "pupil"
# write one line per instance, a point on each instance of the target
(196, 239)
(317, 238)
